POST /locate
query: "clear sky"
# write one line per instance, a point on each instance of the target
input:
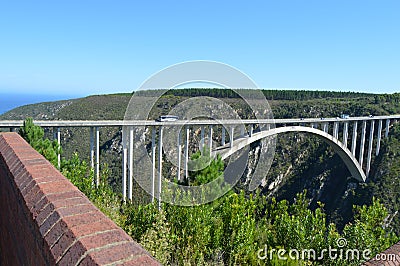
(91, 47)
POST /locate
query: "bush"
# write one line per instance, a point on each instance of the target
(34, 135)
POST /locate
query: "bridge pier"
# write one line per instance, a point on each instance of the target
(371, 141)
(336, 130)
(59, 143)
(325, 127)
(354, 139)
(231, 137)
(387, 128)
(242, 130)
(223, 136)
(187, 153)
(345, 133)
(153, 160)
(210, 135)
(202, 137)
(97, 175)
(130, 168)
(179, 156)
(160, 147)
(251, 130)
(57, 136)
(364, 128)
(124, 160)
(378, 143)
(92, 147)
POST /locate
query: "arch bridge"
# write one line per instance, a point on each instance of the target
(347, 136)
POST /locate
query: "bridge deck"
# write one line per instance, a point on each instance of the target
(116, 123)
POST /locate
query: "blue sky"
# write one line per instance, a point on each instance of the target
(93, 47)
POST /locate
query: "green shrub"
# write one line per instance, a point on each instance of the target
(34, 135)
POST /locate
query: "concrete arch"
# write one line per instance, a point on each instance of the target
(344, 153)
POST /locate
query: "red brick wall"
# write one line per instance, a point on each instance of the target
(45, 220)
(389, 257)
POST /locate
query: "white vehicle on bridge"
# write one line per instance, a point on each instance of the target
(167, 118)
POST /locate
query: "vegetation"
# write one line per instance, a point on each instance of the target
(204, 174)
(304, 170)
(234, 230)
(384, 180)
(34, 135)
(293, 95)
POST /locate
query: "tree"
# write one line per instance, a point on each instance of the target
(34, 135)
(208, 168)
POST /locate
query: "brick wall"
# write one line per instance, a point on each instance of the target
(45, 220)
(389, 257)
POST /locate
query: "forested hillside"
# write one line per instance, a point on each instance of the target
(301, 162)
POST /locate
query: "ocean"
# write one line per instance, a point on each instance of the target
(9, 101)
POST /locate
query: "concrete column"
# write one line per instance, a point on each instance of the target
(202, 138)
(160, 147)
(130, 176)
(354, 139)
(54, 132)
(179, 149)
(231, 136)
(187, 153)
(223, 136)
(312, 125)
(378, 143)
(251, 130)
(210, 135)
(124, 161)
(325, 127)
(387, 128)
(97, 156)
(345, 133)
(59, 143)
(92, 145)
(371, 142)
(336, 130)
(242, 130)
(364, 128)
(153, 159)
